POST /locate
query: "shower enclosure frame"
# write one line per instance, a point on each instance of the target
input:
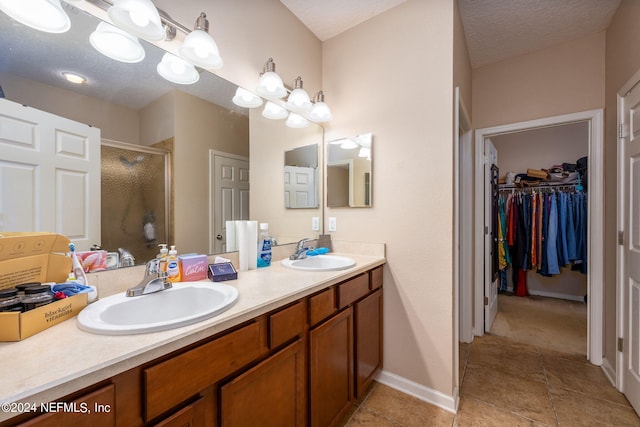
(167, 175)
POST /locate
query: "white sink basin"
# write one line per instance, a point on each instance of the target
(320, 263)
(184, 304)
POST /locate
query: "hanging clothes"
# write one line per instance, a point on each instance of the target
(543, 230)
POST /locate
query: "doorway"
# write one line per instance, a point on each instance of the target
(594, 122)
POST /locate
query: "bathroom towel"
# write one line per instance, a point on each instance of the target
(71, 288)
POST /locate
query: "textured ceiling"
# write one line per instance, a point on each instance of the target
(495, 29)
(499, 29)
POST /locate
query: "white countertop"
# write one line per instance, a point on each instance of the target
(64, 359)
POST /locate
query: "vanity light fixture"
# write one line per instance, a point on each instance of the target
(270, 84)
(274, 111)
(116, 44)
(320, 111)
(199, 47)
(138, 17)
(177, 70)
(298, 98)
(74, 78)
(246, 99)
(42, 15)
(349, 144)
(296, 121)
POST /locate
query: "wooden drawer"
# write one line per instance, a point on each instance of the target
(353, 290)
(175, 380)
(100, 404)
(376, 278)
(322, 305)
(286, 324)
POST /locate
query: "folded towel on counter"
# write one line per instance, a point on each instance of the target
(71, 288)
(318, 251)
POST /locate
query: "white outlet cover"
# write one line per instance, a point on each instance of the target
(332, 223)
(315, 223)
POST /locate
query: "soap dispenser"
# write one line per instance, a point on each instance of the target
(173, 268)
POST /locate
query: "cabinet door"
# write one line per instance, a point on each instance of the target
(273, 393)
(331, 369)
(368, 339)
(189, 416)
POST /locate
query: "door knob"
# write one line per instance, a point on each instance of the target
(219, 237)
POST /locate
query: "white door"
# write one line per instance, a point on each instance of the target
(49, 174)
(230, 198)
(631, 255)
(299, 187)
(491, 284)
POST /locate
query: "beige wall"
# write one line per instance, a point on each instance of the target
(157, 121)
(115, 122)
(462, 73)
(622, 61)
(269, 140)
(200, 126)
(248, 32)
(567, 78)
(398, 85)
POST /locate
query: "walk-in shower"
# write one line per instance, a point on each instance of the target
(135, 183)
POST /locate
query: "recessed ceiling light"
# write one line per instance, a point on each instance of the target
(74, 78)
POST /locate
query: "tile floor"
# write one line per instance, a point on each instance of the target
(506, 383)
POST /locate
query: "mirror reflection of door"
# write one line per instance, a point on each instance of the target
(301, 177)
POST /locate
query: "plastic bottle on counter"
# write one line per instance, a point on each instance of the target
(173, 266)
(264, 246)
(162, 256)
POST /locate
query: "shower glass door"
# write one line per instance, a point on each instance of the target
(135, 183)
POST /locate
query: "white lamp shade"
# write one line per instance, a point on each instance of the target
(299, 101)
(138, 17)
(42, 15)
(200, 49)
(270, 86)
(296, 121)
(116, 44)
(274, 111)
(246, 99)
(177, 70)
(320, 112)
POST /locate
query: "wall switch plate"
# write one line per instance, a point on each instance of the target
(315, 223)
(332, 223)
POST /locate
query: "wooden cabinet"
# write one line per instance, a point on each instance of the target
(302, 364)
(368, 339)
(95, 409)
(331, 369)
(345, 351)
(272, 394)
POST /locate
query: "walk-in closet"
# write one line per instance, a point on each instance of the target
(540, 251)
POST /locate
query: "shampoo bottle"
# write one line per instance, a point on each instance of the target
(76, 266)
(264, 246)
(173, 268)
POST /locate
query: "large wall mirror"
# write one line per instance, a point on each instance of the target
(133, 107)
(349, 172)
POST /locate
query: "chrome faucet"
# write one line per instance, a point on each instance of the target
(154, 280)
(301, 249)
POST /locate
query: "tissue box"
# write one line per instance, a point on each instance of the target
(222, 271)
(193, 267)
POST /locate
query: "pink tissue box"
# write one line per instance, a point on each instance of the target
(193, 267)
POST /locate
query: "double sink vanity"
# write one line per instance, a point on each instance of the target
(298, 345)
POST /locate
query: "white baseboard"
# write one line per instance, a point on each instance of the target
(609, 371)
(419, 391)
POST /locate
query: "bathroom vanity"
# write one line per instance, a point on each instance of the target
(298, 348)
